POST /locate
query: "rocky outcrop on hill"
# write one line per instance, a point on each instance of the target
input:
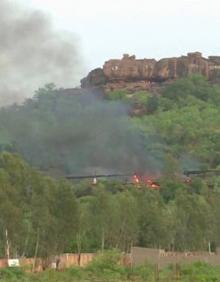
(135, 74)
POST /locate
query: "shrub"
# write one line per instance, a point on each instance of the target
(143, 272)
(11, 274)
(200, 271)
(106, 265)
(117, 95)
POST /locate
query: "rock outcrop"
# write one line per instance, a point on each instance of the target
(134, 74)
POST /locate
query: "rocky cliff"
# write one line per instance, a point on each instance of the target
(135, 74)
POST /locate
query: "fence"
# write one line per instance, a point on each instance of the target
(156, 256)
(60, 262)
(137, 256)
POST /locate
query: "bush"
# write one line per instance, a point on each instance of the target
(201, 272)
(117, 95)
(11, 274)
(106, 265)
(141, 273)
(75, 272)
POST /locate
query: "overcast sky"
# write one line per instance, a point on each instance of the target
(147, 28)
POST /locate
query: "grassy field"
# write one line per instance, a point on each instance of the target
(193, 273)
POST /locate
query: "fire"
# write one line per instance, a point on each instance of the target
(145, 181)
(155, 186)
(188, 180)
(136, 179)
(94, 181)
(151, 183)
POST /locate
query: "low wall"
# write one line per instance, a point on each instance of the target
(68, 260)
(138, 256)
(155, 256)
(3, 263)
(61, 262)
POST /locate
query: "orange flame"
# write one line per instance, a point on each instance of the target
(136, 179)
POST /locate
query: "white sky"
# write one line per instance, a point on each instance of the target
(147, 28)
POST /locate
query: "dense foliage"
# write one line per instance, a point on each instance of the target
(42, 216)
(82, 133)
(34, 210)
(45, 217)
(187, 118)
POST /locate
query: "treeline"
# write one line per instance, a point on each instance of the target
(38, 214)
(45, 217)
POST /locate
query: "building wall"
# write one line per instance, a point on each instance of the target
(154, 256)
(64, 261)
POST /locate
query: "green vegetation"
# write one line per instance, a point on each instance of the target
(34, 210)
(179, 130)
(117, 95)
(45, 217)
(73, 133)
(184, 120)
(187, 120)
(107, 268)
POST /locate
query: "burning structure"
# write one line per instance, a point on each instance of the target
(134, 179)
(152, 182)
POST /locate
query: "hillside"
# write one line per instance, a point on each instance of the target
(81, 132)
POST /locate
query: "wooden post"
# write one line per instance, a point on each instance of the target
(177, 271)
(36, 250)
(7, 244)
(156, 273)
(209, 245)
(103, 240)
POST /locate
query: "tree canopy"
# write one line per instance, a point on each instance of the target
(177, 130)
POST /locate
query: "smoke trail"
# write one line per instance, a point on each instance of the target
(33, 53)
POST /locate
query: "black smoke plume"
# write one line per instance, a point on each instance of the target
(79, 133)
(33, 53)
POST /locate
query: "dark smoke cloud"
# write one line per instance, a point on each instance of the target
(33, 53)
(80, 134)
